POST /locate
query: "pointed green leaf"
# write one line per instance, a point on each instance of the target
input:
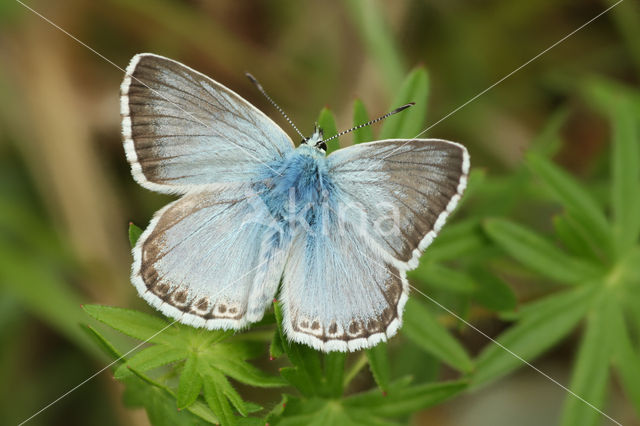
(625, 358)
(537, 253)
(548, 141)
(591, 372)
(625, 159)
(203, 411)
(299, 380)
(379, 365)
(143, 393)
(215, 376)
(409, 123)
(573, 197)
(190, 383)
(235, 398)
(401, 401)
(456, 240)
(327, 123)
(311, 412)
(235, 348)
(218, 403)
(134, 234)
(245, 372)
(334, 373)
(575, 238)
(435, 275)
(159, 403)
(102, 342)
(492, 292)
(354, 369)
(308, 371)
(377, 36)
(539, 329)
(275, 347)
(360, 116)
(132, 323)
(425, 331)
(150, 358)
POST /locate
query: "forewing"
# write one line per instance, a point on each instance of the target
(339, 293)
(402, 190)
(211, 258)
(182, 129)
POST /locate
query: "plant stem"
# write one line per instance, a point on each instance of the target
(355, 369)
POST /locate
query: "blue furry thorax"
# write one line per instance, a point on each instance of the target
(299, 184)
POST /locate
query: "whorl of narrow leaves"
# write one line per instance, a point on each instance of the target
(588, 262)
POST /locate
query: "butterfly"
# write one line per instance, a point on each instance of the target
(333, 235)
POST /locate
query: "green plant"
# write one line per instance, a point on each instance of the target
(596, 263)
(592, 259)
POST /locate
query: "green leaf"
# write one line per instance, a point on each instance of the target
(150, 358)
(409, 123)
(307, 372)
(334, 373)
(319, 412)
(625, 358)
(275, 348)
(549, 141)
(422, 328)
(537, 253)
(355, 368)
(575, 238)
(132, 323)
(218, 403)
(573, 197)
(212, 375)
(245, 372)
(625, 194)
(159, 404)
(435, 275)
(378, 39)
(43, 290)
(327, 123)
(134, 234)
(456, 240)
(298, 380)
(591, 372)
(102, 342)
(379, 365)
(143, 394)
(539, 327)
(404, 400)
(492, 292)
(190, 383)
(360, 116)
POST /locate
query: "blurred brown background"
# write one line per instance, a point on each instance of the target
(67, 195)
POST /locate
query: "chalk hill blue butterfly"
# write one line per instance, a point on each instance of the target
(337, 233)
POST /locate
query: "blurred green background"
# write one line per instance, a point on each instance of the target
(67, 195)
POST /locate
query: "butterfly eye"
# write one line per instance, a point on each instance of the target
(322, 146)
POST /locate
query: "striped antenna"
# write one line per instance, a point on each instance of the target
(360, 126)
(261, 89)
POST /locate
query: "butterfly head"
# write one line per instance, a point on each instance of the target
(316, 139)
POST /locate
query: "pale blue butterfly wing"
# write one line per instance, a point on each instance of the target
(420, 181)
(345, 282)
(339, 293)
(182, 129)
(211, 258)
